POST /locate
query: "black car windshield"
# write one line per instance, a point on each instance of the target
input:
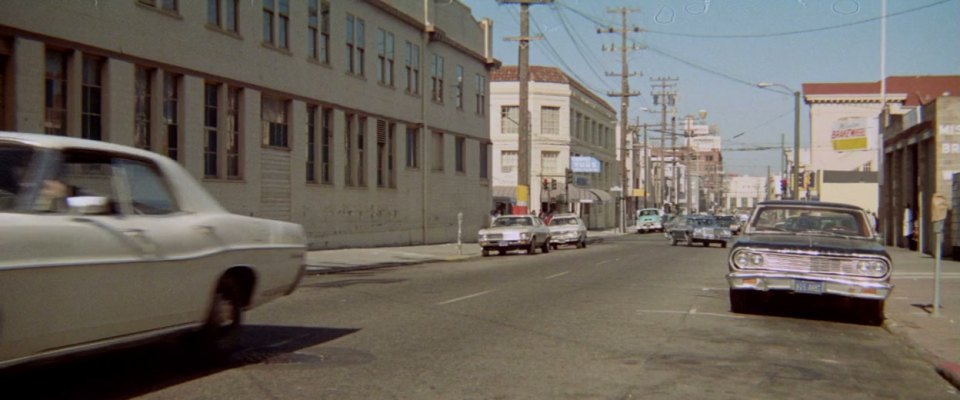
(701, 221)
(512, 221)
(810, 220)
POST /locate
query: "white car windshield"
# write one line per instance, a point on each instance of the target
(512, 221)
(563, 221)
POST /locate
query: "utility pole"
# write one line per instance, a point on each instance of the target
(624, 95)
(524, 148)
(663, 97)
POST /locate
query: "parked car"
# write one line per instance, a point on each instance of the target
(826, 249)
(567, 229)
(649, 220)
(515, 232)
(701, 229)
(104, 245)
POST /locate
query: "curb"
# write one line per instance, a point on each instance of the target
(948, 370)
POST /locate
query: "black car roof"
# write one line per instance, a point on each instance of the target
(808, 203)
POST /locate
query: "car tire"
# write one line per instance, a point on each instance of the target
(546, 246)
(219, 333)
(706, 244)
(555, 246)
(872, 311)
(501, 252)
(723, 245)
(740, 300)
(485, 252)
(532, 248)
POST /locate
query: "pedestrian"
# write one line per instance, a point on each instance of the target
(907, 226)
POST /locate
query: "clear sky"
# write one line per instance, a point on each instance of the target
(720, 48)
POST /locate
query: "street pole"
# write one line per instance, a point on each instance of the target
(796, 145)
(663, 97)
(523, 75)
(646, 168)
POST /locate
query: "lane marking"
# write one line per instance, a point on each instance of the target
(469, 296)
(556, 275)
(606, 261)
(693, 311)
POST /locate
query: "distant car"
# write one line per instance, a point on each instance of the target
(649, 220)
(104, 245)
(567, 229)
(515, 232)
(703, 229)
(810, 248)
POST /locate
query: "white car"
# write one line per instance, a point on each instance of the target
(567, 229)
(103, 244)
(515, 232)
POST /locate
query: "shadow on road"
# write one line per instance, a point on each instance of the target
(135, 371)
(812, 307)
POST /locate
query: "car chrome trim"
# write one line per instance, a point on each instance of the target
(809, 261)
(766, 281)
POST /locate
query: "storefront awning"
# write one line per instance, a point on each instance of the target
(579, 194)
(505, 193)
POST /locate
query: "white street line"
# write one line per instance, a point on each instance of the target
(556, 275)
(607, 261)
(692, 311)
(470, 296)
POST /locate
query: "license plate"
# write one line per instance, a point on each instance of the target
(811, 287)
(504, 243)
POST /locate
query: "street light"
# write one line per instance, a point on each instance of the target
(796, 135)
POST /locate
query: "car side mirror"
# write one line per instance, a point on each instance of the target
(88, 205)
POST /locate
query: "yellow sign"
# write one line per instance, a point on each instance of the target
(849, 133)
(638, 193)
(523, 195)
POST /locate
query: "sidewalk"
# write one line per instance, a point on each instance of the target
(908, 310)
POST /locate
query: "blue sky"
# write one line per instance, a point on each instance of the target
(717, 48)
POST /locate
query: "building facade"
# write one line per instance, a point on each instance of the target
(567, 120)
(365, 121)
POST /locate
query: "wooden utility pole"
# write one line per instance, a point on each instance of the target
(524, 149)
(663, 97)
(624, 95)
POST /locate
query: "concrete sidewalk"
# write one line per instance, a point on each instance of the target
(333, 261)
(908, 310)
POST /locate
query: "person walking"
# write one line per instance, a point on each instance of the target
(907, 227)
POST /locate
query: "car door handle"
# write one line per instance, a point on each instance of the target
(140, 237)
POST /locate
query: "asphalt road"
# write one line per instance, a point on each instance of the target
(629, 318)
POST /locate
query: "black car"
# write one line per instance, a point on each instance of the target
(703, 229)
(810, 248)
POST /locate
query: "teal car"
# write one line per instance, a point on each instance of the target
(649, 220)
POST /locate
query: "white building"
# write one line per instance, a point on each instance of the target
(365, 121)
(744, 191)
(567, 120)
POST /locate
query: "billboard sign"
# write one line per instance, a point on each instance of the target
(585, 164)
(849, 133)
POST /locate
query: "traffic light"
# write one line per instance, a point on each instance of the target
(806, 180)
(546, 184)
(783, 186)
(553, 184)
(569, 176)
(812, 180)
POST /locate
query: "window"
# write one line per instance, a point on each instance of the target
(385, 56)
(579, 130)
(273, 113)
(484, 160)
(348, 149)
(313, 29)
(549, 120)
(460, 149)
(233, 134)
(311, 143)
(481, 83)
(211, 156)
(361, 157)
(324, 44)
(458, 95)
(326, 140)
(411, 61)
(276, 23)
(55, 112)
(355, 45)
(165, 5)
(437, 151)
(549, 162)
(508, 161)
(171, 114)
(436, 77)
(385, 150)
(222, 14)
(130, 185)
(413, 147)
(142, 82)
(509, 119)
(91, 110)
